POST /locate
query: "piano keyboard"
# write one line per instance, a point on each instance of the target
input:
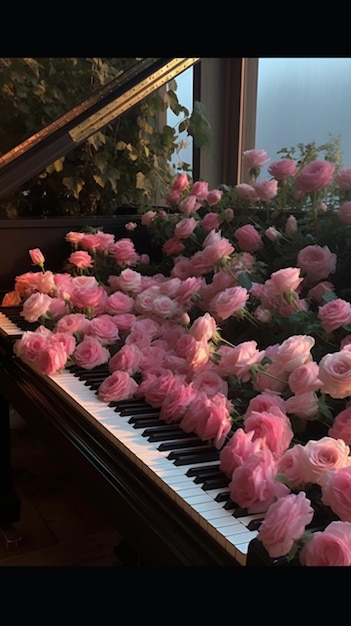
(229, 531)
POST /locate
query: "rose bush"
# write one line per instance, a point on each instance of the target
(241, 335)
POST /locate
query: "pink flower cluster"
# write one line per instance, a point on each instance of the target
(176, 339)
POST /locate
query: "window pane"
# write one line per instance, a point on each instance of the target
(300, 100)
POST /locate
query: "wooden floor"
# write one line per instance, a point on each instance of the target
(60, 525)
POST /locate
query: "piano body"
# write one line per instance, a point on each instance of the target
(120, 454)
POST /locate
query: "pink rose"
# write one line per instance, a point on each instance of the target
(73, 323)
(344, 213)
(304, 405)
(246, 192)
(214, 196)
(164, 307)
(148, 217)
(124, 252)
(87, 297)
(181, 182)
(30, 344)
(211, 221)
(290, 465)
(305, 378)
(119, 386)
(343, 178)
(176, 402)
(282, 169)
(314, 176)
(284, 523)
(35, 306)
(208, 417)
(264, 402)
(130, 226)
(334, 314)
(90, 353)
(156, 389)
(185, 227)
(172, 246)
(74, 238)
(210, 382)
(335, 373)
(322, 455)
(239, 360)
(239, 447)
(330, 547)
(81, 259)
(253, 485)
(118, 303)
(266, 189)
(52, 358)
(341, 428)
(249, 239)
(317, 292)
(229, 302)
(200, 190)
(189, 205)
(291, 226)
(273, 426)
(316, 262)
(37, 257)
(255, 158)
(294, 351)
(103, 329)
(281, 281)
(336, 491)
(203, 327)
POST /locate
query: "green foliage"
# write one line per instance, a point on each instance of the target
(126, 164)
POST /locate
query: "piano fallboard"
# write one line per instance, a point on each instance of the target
(164, 515)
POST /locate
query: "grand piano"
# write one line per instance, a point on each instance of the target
(163, 490)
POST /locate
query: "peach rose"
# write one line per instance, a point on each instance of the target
(336, 491)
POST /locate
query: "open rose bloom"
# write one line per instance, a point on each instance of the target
(240, 335)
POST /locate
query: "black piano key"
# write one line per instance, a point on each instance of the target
(139, 410)
(217, 482)
(222, 497)
(175, 445)
(255, 524)
(144, 421)
(195, 471)
(190, 457)
(143, 418)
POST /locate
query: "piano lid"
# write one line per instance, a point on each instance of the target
(30, 157)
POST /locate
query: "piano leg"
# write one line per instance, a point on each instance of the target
(10, 504)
